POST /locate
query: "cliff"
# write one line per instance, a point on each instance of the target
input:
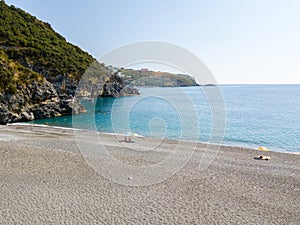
(116, 87)
(27, 95)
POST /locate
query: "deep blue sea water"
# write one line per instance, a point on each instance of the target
(256, 115)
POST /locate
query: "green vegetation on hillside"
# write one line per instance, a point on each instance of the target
(13, 74)
(156, 79)
(37, 46)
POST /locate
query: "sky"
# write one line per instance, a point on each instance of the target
(241, 41)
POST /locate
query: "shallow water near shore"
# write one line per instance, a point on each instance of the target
(266, 115)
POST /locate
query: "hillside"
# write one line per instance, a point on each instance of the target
(148, 78)
(35, 45)
(14, 74)
(40, 70)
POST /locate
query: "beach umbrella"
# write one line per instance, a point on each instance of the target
(261, 148)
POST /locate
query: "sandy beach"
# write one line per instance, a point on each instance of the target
(44, 179)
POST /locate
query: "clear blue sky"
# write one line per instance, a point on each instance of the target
(241, 41)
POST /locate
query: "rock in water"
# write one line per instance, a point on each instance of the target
(115, 87)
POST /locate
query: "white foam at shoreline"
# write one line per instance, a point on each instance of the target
(41, 125)
(119, 134)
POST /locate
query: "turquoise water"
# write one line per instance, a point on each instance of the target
(267, 115)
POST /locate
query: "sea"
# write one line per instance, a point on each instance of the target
(235, 115)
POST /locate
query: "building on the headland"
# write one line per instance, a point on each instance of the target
(143, 70)
(120, 74)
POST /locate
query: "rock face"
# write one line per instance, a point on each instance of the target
(35, 101)
(42, 99)
(115, 87)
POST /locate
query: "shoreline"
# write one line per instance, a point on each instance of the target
(182, 140)
(46, 179)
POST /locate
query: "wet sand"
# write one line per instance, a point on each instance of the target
(44, 179)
